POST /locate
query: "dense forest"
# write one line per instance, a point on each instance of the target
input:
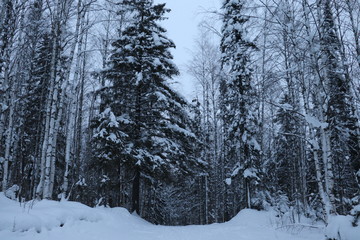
(88, 112)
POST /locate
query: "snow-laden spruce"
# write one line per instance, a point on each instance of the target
(144, 140)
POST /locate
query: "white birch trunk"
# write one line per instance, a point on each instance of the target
(50, 148)
(319, 179)
(55, 107)
(206, 200)
(322, 102)
(72, 107)
(324, 176)
(8, 139)
(315, 151)
(5, 89)
(40, 188)
(69, 141)
(49, 107)
(328, 166)
(2, 118)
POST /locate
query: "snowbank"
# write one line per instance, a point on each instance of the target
(340, 228)
(73, 221)
(43, 215)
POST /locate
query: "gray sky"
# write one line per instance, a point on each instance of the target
(182, 27)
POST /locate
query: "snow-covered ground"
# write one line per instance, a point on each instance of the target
(51, 220)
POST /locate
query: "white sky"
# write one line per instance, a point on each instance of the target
(182, 27)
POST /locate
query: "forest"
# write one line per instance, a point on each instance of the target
(88, 111)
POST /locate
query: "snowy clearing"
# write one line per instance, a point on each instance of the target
(70, 220)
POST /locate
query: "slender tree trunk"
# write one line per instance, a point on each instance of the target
(323, 194)
(9, 137)
(50, 105)
(47, 193)
(72, 99)
(354, 25)
(7, 101)
(80, 104)
(136, 192)
(206, 200)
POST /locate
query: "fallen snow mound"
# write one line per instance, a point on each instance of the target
(340, 227)
(42, 220)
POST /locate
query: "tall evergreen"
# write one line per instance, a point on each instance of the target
(34, 112)
(344, 142)
(287, 167)
(239, 100)
(155, 129)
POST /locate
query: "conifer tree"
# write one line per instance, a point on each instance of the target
(344, 143)
(34, 109)
(239, 97)
(287, 154)
(153, 118)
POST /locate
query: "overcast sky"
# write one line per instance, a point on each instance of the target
(182, 27)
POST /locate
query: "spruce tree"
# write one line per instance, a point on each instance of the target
(342, 123)
(34, 112)
(155, 128)
(239, 99)
(287, 155)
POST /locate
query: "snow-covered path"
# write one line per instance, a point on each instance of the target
(50, 220)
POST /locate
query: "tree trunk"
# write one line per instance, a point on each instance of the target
(73, 99)
(50, 109)
(136, 192)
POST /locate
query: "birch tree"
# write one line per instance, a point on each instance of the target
(205, 70)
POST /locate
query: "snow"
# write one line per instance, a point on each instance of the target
(139, 78)
(314, 144)
(160, 96)
(41, 220)
(11, 192)
(255, 144)
(101, 133)
(340, 227)
(250, 173)
(356, 209)
(286, 106)
(315, 122)
(235, 172)
(113, 122)
(3, 107)
(81, 182)
(228, 181)
(184, 131)
(112, 137)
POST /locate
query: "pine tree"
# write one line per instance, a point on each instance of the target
(34, 110)
(239, 96)
(288, 148)
(344, 145)
(108, 149)
(159, 142)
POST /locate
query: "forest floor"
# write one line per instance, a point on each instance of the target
(45, 220)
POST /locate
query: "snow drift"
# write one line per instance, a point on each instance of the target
(42, 220)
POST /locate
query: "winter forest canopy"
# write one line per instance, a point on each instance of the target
(88, 111)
